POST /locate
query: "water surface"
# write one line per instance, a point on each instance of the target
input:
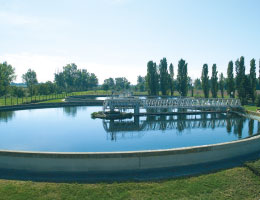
(71, 129)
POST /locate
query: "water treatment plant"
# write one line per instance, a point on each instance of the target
(184, 132)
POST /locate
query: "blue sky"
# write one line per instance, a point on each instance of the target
(115, 38)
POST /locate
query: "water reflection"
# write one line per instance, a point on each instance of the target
(73, 130)
(140, 125)
(73, 110)
(250, 127)
(70, 111)
(239, 127)
(6, 116)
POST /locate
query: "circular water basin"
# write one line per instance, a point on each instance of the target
(71, 129)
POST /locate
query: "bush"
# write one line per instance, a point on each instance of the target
(17, 91)
(258, 100)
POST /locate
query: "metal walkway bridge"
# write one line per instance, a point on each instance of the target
(170, 103)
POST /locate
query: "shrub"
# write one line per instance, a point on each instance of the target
(258, 100)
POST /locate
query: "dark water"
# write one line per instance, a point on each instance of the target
(71, 129)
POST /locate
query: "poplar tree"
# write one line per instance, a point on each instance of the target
(230, 80)
(241, 79)
(182, 78)
(152, 78)
(247, 88)
(221, 85)
(164, 76)
(171, 69)
(205, 80)
(214, 81)
(252, 79)
(259, 72)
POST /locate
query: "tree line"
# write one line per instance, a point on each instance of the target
(241, 83)
(160, 79)
(70, 79)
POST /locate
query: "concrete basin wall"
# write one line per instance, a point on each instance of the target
(126, 161)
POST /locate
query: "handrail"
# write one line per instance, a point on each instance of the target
(171, 103)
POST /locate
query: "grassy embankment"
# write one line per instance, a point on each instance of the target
(251, 108)
(236, 183)
(53, 98)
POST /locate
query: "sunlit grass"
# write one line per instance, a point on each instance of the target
(8, 101)
(236, 183)
(251, 108)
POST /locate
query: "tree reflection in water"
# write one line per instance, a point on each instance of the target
(229, 125)
(6, 116)
(239, 126)
(250, 127)
(258, 127)
(72, 110)
(140, 125)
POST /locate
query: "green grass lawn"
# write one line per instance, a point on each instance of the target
(42, 98)
(251, 108)
(237, 183)
(47, 98)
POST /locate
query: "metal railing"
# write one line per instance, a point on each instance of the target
(191, 103)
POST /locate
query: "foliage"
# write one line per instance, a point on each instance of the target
(74, 79)
(171, 81)
(182, 78)
(109, 84)
(122, 83)
(119, 83)
(197, 84)
(258, 100)
(247, 88)
(252, 80)
(241, 79)
(230, 80)
(7, 75)
(164, 76)
(30, 78)
(205, 80)
(92, 82)
(17, 91)
(214, 81)
(190, 85)
(152, 79)
(140, 84)
(46, 88)
(221, 85)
